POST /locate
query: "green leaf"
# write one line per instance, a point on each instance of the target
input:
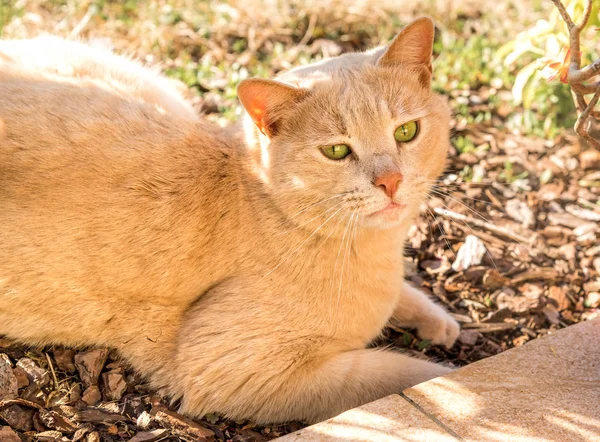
(521, 80)
(520, 50)
(424, 344)
(530, 92)
(211, 418)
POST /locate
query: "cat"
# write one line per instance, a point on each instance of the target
(245, 270)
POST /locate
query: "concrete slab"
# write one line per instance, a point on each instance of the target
(546, 390)
(391, 419)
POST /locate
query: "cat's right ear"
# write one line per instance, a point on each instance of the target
(265, 101)
(413, 46)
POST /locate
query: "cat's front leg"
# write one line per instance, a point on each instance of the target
(416, 310)
(247, 354)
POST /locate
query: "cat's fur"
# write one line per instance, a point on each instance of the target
(70, 59)
(242, 273)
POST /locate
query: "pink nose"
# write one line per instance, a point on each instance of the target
(389, 183)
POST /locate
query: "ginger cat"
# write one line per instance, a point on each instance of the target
(243, 271)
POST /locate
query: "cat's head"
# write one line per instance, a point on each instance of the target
(359, 136)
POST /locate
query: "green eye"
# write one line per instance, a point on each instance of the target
(406, 132)
(337, 151)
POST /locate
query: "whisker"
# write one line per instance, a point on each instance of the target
(311, 220)
(352, 220)
(514, 238)
(428, 213)
(442, 193)
(486, 249)
(303, 242)
(314, 204)
(442, 231)
(465, 223)
(337, 258)
(357, 232)
(354, 242)
(337, 226)
(473, 211)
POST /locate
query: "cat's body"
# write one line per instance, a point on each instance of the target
(69, 59)
(214, 264)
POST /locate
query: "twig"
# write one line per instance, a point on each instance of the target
(577, 75)
(23, 402)
(586, 14)
(544, 273)
(563, 13)
(579, 124)
(312, 22)
(489, 327)
(83, 23)
(52, 370)
(482, 224)
(585, 89)
(585, 73)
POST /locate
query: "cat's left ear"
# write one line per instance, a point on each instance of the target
(412, 46)
(266, 101)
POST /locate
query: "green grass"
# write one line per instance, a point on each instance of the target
(8, 11)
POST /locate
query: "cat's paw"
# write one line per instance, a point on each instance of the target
(440, 328)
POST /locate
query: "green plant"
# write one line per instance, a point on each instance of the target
(551, 50)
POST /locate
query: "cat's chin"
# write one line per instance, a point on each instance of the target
(390, 216)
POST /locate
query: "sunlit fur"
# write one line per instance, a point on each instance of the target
(242, 273)
(70, 59)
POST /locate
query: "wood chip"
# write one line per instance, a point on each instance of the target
(470, 253)
(468, 337)
(7, 434)
(545, 273)
(114, 385)
(520, 211)
(580, 212)
(559, 296)
(149, 436)
(35, 373)
(590, 159)
(8, 380)
(18, 417)
(565, 219)
(96, 415)
(55, 421)
(89, 364)
(492, 280)
(181, 426)
(91, 395)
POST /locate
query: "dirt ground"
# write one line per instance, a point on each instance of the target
(508, 240)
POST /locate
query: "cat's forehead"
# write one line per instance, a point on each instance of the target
(331, 67)
(368, 97)
(354, 81)
(356, 107)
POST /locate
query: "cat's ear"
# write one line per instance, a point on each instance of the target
(412, 46)
(266, 100)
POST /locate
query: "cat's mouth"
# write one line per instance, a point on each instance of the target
(390, 210)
